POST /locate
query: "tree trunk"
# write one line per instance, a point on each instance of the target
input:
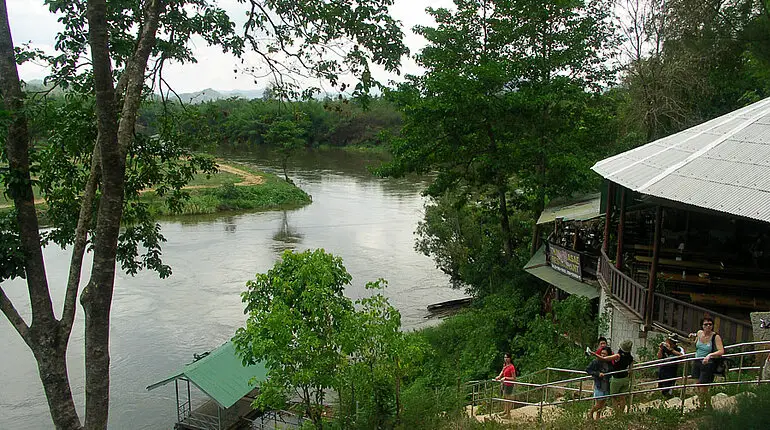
(113, 141)
(52, 367)
(97, 296)
(44, 336)
(505, 225)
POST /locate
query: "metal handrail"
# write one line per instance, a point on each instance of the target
(642, 366)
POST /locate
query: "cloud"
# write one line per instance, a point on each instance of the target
(32, 22)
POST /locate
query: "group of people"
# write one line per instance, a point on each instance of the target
(610, 371)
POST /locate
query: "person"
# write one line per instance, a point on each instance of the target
(620, 382)
(669, 349)
(599, 370)
(507, 376)
(708, 346)
(602, 345)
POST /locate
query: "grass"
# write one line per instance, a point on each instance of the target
(219, 178)
(274, 193)
(222, 195)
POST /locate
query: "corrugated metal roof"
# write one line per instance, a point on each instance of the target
(722, 164)
(580, 209)
(538, 267)
(221, 375)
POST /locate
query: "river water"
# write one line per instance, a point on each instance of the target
(157, 324)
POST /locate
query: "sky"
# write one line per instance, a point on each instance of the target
(32, 22)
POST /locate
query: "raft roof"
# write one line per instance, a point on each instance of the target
(220, 374)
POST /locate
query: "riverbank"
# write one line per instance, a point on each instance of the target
(234, 187)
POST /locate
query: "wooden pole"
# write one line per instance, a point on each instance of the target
(653, 270)
(608, 215)
(621, 224)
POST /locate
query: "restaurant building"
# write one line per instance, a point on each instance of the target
(684, 226)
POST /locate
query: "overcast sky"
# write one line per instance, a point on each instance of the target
(32, 22)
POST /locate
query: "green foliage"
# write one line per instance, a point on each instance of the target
(692, 61)
(753, 413)
(575, 318)
(12, 257)
(245, 124)
(462, 234)
(298, 326)
(274, 193)
(312, 338)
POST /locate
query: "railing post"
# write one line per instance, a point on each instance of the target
(684, 385)
(631, 388)
(580, 390)
(740, 369)
(545, 394)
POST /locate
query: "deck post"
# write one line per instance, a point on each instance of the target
(189, 399)
(621, 227)
(176, 388)
(648, 308)
(608, 215)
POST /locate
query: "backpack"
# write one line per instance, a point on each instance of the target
(720, 364)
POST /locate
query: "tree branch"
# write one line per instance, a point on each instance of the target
(17, 151)
(13, 315)
(79, 247)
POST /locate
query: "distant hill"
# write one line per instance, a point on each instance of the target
(210, 94)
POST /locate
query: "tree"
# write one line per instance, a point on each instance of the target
(311, 338)
(690, 61)
(105, 50)
(298, 325)
(510, 110)
(286, 135)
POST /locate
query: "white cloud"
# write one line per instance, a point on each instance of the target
(32, 22)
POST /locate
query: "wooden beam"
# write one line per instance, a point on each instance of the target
(653, 269)
(621, 222)
(608, 215)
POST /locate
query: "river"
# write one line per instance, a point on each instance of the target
(157, 324)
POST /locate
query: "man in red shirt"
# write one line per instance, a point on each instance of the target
(508, 376)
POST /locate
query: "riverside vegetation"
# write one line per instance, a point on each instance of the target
(518, 100)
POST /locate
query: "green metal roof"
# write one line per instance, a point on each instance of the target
(537, 266)
(220, 375)
(578, 209)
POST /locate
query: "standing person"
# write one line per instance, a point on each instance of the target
(708, 346)
(599, 369)
(620, 382)
(507, 376)
(669, 349)
(602, 344)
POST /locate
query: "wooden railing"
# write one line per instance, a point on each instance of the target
(629, 292)
(673, 314)
(685, 318)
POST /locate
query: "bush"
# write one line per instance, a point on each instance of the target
(753, 413)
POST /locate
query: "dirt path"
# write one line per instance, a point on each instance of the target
(247, 178)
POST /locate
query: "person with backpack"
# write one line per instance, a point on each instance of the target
(708, 352)
(599, 369)
(620, 382)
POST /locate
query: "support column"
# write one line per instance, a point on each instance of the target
(621, 227)
(608, 215)
(653, 270)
